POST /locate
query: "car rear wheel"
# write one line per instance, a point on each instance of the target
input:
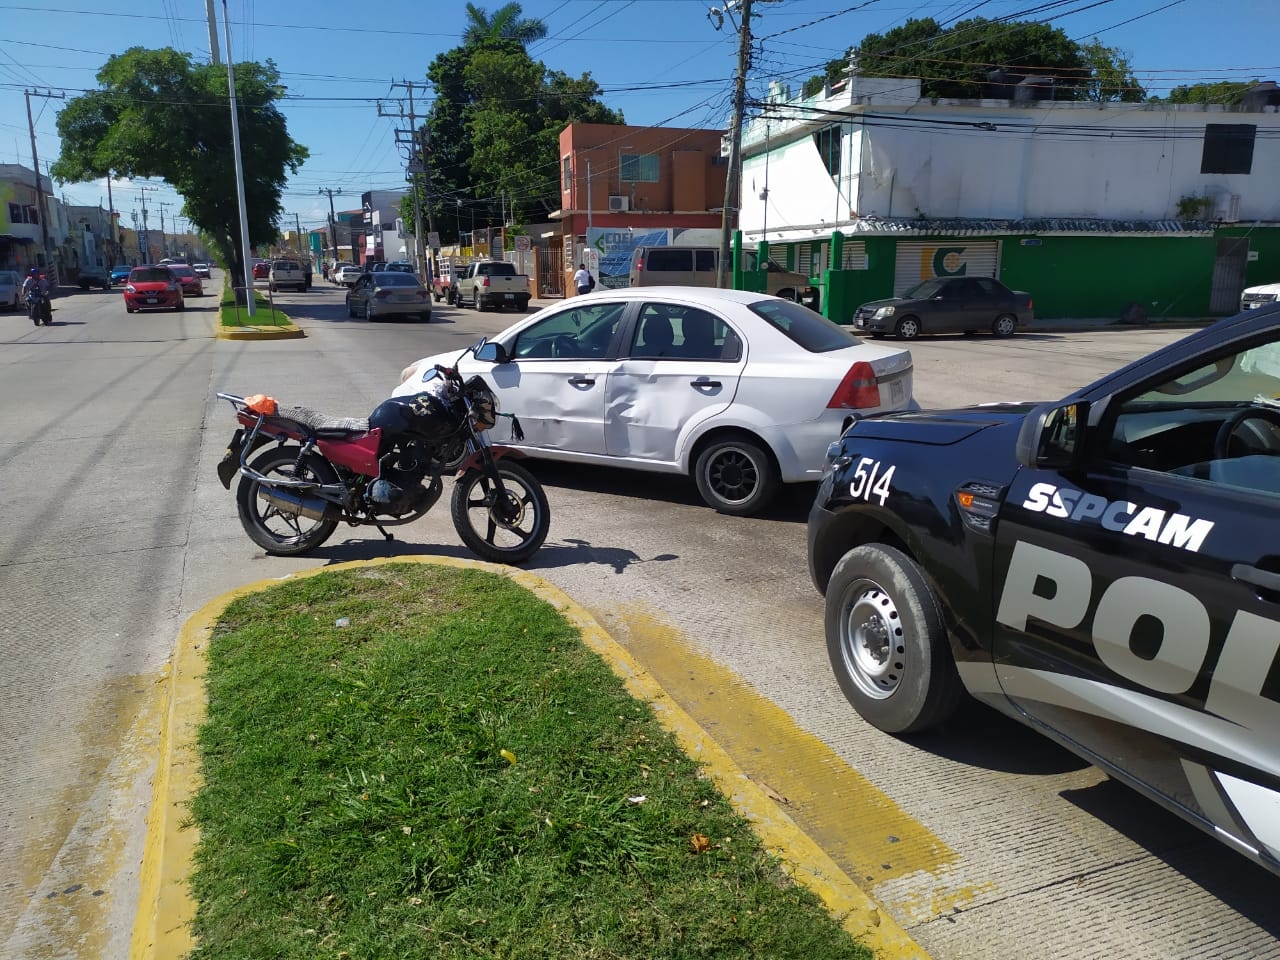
(908, 328)
(887, 642)
(1004, 326)
(368, 313)
(736, 476)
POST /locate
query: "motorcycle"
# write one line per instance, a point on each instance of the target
(39, 308)
(386, 470)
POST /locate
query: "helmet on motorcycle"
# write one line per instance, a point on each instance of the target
(33, 272)
(422, 415)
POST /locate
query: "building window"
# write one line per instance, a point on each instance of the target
(567, 176)
(1228, 148)
(20, 214)
(638, 167)
(828, 141)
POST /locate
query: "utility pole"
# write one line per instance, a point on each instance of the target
(41, 203)
(113, 248)
(213, 33)
(333, 221)
(146, 240)
(246, 268)
(735, 141)
(164, 248)
(416, 141)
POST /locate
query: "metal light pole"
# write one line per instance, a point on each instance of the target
(235, 147)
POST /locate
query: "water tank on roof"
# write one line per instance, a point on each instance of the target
(1258, 98)
(1031, 89)
(1000, 84)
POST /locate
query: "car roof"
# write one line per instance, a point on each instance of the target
(688, 294)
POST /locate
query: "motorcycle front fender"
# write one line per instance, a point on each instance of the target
(475, 460)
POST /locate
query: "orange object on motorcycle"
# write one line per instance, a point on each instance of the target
(261, 404)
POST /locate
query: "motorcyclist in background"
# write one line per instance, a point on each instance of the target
(37, 284)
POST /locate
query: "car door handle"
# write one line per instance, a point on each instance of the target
(582, 381)
(704, 382)
(1259, 578)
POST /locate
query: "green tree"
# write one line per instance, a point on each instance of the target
(505, 24)
(156, 114)
(1228, 92)
(493, 133)
(956, 61)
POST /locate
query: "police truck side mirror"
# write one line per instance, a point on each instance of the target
(1052, 436)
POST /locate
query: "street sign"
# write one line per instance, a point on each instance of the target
(522, 243)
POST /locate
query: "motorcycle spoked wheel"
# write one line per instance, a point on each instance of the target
(275, 531)
(509, 532)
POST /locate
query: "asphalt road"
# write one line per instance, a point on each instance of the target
(114, 530)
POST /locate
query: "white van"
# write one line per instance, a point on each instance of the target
(696, 267)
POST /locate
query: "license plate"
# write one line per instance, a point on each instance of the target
(897, 391)
(509, 296)
(151, 300)
(230, 461)
(860, 323)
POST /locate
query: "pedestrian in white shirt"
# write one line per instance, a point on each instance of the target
(583, 280)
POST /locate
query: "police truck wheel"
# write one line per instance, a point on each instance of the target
(887, 643)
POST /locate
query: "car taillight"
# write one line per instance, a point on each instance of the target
(858, 390)
(382, 294)
(640, 264)
(484, 281)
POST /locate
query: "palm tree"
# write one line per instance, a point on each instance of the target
(505, 24)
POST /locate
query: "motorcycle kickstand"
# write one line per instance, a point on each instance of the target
(386, 535)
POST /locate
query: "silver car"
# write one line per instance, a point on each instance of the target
(388, 293)
(10, 289)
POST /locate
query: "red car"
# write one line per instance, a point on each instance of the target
(192, 286)
(262, 270)
(152, 288)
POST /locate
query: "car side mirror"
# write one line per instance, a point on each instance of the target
(1052, 436)
(491, 352)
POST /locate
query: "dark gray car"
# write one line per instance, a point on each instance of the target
(388, 293)
(947, 305)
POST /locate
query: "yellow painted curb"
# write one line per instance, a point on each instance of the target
(162, 928)
(280, 332)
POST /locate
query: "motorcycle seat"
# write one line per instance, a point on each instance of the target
(321, 424)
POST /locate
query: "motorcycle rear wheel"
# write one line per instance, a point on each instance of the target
(280, 533)
(509, 532)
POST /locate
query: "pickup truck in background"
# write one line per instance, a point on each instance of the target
(491, 283)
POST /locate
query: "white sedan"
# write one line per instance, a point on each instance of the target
(346, 275)
(742, 390)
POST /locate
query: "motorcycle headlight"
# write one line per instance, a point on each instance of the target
(883, 312)
(484, 410)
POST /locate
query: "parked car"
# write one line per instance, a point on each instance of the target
(491, 283)
(192, 286)
(346, 275)
(401, 266)
(373, 266)
(120, 273)
(202, 270)
(153, 288)
(742, 391)
(261, 269)
(94, 277)
(388, 293)
(1101, 568)
(1260, 296)
(286, 273)
(947, 305)
(10, 289)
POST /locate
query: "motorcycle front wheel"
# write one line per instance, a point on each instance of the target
(275, 528)
(501, 530)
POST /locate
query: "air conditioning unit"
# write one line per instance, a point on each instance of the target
(1228, 208)
(618, 204)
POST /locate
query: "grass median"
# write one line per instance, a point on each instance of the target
(417, 760)
(233, 314)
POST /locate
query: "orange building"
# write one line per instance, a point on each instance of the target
(623, 185)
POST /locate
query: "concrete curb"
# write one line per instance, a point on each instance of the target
(162, 927)
(283, 332)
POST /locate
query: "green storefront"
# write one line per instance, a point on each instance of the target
(1072, 269)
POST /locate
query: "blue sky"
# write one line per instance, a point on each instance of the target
(661, 62)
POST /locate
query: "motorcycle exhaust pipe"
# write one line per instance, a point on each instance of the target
(313, 508)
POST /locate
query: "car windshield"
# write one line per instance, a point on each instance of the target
(393, 278)
(924, 290)
(151, 275)
(809, 330)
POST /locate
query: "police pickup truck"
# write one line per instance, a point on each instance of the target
(1105, 569)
